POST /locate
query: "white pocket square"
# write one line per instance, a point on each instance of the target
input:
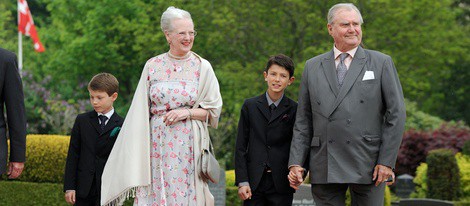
(368, 75)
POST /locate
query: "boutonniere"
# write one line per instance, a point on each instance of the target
(285, 117)
(115, 132)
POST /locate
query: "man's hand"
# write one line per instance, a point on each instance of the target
(15, 169)
(70, 196)
(382, 173)
(244, 192)
(295, 176)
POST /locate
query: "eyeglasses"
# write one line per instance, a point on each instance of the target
(190, 33)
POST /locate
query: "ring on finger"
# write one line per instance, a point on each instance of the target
(171, 120)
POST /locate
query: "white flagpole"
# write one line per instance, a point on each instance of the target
(20, 52)
(20, 45)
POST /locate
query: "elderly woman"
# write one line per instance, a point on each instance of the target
(157, 151)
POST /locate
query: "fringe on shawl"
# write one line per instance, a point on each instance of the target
(125, 195)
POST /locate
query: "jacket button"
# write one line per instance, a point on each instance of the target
(362, 101)
(348, 141)
(331, 141)
(349, 121)
(330, 119)
(269, 147)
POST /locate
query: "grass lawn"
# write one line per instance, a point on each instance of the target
(17, 193)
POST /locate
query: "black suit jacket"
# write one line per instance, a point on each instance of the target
(88, 152)
(264, 140)
(11, 98)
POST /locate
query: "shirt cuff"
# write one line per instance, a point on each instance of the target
(241, 184)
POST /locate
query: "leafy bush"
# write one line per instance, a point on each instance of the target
(232, 198)
(49, 114)
(416, 144)
(45, 158)
(418, 120)
(420, 180)
(443, 175)
(466, 148)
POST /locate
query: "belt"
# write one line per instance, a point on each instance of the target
(268, 170)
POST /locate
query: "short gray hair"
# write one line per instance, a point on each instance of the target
(171, 14)
(342, 6)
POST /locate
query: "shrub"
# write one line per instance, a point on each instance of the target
(466, 148)
(418, 120)
(231, 190)
(45, 158)
(416, 144)
(443, 175)
(420, 180)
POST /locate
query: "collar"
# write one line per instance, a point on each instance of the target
(337, 52)
(270, 101)
(109, 114)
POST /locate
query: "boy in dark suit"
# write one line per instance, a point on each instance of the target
(93, 136)
(264, 137)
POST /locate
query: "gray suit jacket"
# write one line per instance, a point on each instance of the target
(351, 129)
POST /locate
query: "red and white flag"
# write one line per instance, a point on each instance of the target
(26, 25)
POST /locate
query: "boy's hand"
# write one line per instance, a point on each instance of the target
(295, 176)
(70, 196)
(244, 192)
(175, 116)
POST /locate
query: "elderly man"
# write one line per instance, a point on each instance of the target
(350, 118)
(11, 98)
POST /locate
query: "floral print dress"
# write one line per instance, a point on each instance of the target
(173, 84)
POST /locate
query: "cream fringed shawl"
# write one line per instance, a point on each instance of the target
(128, 165)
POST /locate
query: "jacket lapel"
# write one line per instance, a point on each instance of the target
(329, 69)
(94, 121)
(112, 123)
(262, 105)
(353, 72)
(283, 106)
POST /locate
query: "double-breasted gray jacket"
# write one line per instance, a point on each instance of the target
(351, 129)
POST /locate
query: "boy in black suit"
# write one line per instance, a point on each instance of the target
(264, 137)
(93, 136)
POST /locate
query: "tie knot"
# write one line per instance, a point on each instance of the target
(343, 56)
(102, 118)
(272, 107)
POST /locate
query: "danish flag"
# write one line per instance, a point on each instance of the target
(26, 25)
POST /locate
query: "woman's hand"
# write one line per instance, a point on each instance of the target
(175, 116)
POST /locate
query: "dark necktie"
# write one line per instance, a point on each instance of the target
(341, 69)
(102, 121)
(272, 107)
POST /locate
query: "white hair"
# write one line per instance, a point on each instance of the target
(171, 14)
(342, 6)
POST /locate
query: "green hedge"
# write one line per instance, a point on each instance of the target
(45, 158)
(420, 180)
(443, 175)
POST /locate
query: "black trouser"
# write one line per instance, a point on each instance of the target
(361, 195)
(266, 194)
(93, 198)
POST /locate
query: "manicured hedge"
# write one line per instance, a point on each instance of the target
(45, 158)
(420, 180)
(443, 175)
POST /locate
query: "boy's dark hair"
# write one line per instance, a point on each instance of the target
(104, 82)
(283, 61)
